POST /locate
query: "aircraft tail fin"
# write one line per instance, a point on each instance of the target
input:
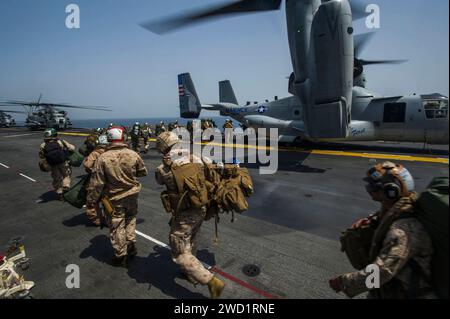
(226, 93)
(190, 106)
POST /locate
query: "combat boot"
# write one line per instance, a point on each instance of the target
(119, 261)
(215, 287)
(132, 250)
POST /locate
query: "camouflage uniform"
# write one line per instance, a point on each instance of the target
(403, 257)
(61, 174)
(228, 129)
(146, 134)
(185, 226)
(93, 209)
(115, 175)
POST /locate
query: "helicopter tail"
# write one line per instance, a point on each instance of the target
(190, 106)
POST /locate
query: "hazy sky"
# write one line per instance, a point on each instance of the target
(111, 61)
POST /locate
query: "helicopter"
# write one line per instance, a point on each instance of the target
(48, 115)
(7, 120)
(330, 101)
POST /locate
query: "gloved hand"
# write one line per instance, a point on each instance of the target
(336, 284)
(360, 223)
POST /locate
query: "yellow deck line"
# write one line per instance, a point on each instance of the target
(439, 160)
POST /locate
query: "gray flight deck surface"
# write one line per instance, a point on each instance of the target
(291, 230)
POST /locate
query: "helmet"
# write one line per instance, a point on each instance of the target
(137, 123)
(393, 180)
(116, 134)
(103, 140)
(50, 133)
(98, 130)
(166, 141)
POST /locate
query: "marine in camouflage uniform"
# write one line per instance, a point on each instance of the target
(185, 224)
(115, 176)
(146, 133)
(401, 247)
(228, 131)
(93, 210)
(61, 174)
(135, 134)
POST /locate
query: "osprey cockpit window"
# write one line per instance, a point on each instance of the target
(436, 109)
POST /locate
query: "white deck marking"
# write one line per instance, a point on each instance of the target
(34, 181)
(4, 165)
(160, 243)
(18, 135)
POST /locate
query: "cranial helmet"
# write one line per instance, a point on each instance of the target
(116, 134)
(393, 180)
(50, 133)
(166, 141)
(103, 140)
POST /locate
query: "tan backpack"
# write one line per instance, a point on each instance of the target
(191, 184)
(235, 186)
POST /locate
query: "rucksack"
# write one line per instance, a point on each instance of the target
(54, 153)
(191, 184)
(235, 186)
(432, 211)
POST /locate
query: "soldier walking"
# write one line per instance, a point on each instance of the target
(115, 182)
(93, 210)
(187, 217)
(55, 153)
(400, 246)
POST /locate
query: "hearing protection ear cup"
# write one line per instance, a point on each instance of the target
(391, 191)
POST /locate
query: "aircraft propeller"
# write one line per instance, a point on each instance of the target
(360, 43)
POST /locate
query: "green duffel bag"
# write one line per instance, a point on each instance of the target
(432, 211)
(76, 196)
(75, 158)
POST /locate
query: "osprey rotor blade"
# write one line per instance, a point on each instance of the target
(361, 41)
(358, 9)
(373, 62)
(238, 7)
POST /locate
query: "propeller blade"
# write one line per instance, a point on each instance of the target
(358, 9)
(361, 41)
(238, 7)
(373, 62)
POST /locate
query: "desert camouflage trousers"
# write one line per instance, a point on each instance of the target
(122, 225)
(94, 212)
(183, 231)
(61, 175)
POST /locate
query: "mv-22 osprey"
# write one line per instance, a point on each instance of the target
(330, 101)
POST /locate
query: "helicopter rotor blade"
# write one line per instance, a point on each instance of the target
(15, 112)
(94, 108)
(173, 23)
